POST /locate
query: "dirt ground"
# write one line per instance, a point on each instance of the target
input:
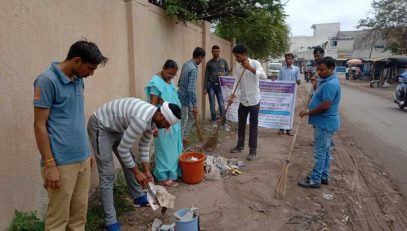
(361, 194)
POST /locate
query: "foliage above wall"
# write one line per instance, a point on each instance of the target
(258, 24)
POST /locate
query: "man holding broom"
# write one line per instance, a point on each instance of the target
(324, 116)
(247, 72)
(187, 92)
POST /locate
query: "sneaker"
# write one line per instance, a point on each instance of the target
(236, 149)
(323, 181)
(113, 227)
(141, 201)
(214, 124)
(251, 156)
(225, 127)
(308, 184)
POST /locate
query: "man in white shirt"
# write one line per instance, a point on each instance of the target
(249, 97)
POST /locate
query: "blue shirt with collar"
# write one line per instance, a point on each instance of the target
(66, 121)
(329, 89)
(187, 84)
(289, 73)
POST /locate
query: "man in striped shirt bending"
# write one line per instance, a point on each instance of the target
(115, 127)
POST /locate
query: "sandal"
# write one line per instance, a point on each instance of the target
(168, 183)
(281, 132)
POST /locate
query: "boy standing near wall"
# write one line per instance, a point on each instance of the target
(59, 126)
(288, 73)
(187, 92)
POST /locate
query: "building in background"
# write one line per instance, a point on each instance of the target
(341, 45)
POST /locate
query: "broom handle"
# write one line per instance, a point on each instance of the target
(234, 90)
(293, 141)
(227, 108)
(296, 132)
(198, 128)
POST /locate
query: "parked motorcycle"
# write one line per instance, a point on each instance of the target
(400, 96)
(307, 75)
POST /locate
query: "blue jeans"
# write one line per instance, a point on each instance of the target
(215, 90)
(322, 154)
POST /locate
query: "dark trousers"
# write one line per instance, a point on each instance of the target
(243, 112)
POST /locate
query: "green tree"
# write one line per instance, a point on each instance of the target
(258, 24)
(389, 18)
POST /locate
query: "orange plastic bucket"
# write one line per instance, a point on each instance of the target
(192, 170)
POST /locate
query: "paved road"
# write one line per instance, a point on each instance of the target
(379, 127)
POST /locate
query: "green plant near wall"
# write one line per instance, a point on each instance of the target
(26, 221)
(95, 216)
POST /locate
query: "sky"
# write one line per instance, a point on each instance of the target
(303, 13)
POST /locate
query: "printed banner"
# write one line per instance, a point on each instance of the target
(276, 105)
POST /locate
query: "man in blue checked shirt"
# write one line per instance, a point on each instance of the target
(187, 91)
(288, 73)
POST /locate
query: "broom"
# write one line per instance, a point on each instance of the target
(198, 129)
(213, 139)
(282, 179)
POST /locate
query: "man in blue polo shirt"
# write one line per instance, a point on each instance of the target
(323, 111)
(60, 132)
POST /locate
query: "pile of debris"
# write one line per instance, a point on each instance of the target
(217, 167)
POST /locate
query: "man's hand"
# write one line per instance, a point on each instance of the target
(141, 178)
(52, 177)
(304, 113)
(246, 64)
(230, 99)
(92, 161)
(150, 177)
(195, 111)
(205, 92)
(155, 132)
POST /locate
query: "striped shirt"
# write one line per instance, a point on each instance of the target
(133, 118)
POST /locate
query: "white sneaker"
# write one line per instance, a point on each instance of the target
(214, 124)
(225, 127)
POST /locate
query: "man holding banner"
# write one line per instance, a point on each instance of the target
(288, 73)
(250, 72)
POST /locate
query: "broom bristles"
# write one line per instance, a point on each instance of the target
(282, 181)
(212, 141)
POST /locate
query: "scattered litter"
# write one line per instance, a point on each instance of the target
(158, 226)
(166, 199)
(256, 208)
(328, 196)
(345, 219)
(241, 164)
(218, 166)
(158, 196)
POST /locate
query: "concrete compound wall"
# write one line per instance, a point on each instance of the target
(136, 37)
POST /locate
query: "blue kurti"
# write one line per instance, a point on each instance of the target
(167, 146)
